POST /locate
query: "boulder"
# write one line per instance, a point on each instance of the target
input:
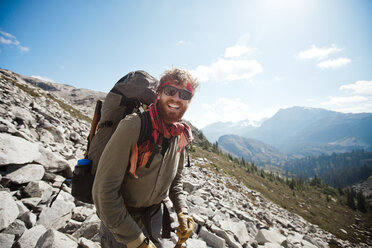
(269, 236)
(51, 161)
(29, 219)
(39, 189)
(31, 236)
(8, 209)
(17, 228)
(26, 174)
(6, 240)
(55, 239)
(15, 150)
(211, 238)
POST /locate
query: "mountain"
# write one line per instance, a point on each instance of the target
(311, 131)
(215, 130)
(251, 150)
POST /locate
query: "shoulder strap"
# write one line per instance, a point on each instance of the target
(146, 127)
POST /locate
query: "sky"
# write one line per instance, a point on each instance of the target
(251, 57)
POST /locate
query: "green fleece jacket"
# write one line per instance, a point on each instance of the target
(114, 187)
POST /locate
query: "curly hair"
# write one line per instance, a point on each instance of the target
(178, 76)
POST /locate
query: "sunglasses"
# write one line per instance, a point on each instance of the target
(171, 91)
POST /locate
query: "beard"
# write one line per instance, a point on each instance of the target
(167, 115)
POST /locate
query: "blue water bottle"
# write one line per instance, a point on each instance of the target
(83, 167)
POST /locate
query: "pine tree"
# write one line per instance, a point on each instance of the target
(361, 202)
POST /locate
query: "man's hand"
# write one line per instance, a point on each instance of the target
(186, 227)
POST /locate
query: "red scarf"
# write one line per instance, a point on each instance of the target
(141, 154)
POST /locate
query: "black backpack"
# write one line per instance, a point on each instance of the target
(132, 93)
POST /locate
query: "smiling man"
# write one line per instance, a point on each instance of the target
(132, 180)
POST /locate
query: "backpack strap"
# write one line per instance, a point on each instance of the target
(146, 127)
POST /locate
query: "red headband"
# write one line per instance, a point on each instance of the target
(188, 86)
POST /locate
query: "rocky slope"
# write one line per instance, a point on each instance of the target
(40, 142)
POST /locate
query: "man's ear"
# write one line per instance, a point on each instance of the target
(158, 95)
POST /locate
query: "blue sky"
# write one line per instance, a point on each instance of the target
(252, 57)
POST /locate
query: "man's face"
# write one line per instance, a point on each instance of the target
(172, 108)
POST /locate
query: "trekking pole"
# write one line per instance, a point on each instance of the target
(94, 124)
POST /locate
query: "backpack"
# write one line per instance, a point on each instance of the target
(132, 93)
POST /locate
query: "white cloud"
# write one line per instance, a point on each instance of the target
(318, 53)
(237, 51)
(9, 39)
(228, 70)
(333, 63)
(342, 101)
(359, 87)
(5, 41)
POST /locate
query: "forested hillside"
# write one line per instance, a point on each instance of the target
(337, 170)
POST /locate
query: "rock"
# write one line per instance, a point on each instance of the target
(196, 243)
(227, 236)
(271, 236)
(21, 208)
(57, 215)
(55, 239)
(6, 240)
(212, 239)
(29, 219)
(70, 227)
(39, 189)
(31, 236)
(8, 209)
(31, 202)
(51, 161)
(81, 213)
(86, 243)
(15, 150)
(17, 228)
(88, 229)
(237, 228)
(27, 173)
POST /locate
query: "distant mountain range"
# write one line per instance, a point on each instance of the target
(299, 131)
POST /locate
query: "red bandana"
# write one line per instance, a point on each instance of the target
(141, 154)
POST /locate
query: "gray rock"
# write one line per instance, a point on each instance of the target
(57, 215)
(272, 236)
(51, 161)
(22, 208)
(17, 228)
(31, 236)
(31, 202)
(27, 173)
(227, 236)
(88, 229)
(39, 189)
(70, 227)
(86, 243)
(211, 238)
(29, 219)
(6, 240)
(15, 150)
(8, 209)
(196, 243)
(55, 239)
(81, 213)
(237, 228)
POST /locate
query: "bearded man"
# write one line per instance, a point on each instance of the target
(132, 180)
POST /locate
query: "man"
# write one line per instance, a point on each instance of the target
(132, 180)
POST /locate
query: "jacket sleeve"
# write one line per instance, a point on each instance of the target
(109, 177)
(176, 193)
